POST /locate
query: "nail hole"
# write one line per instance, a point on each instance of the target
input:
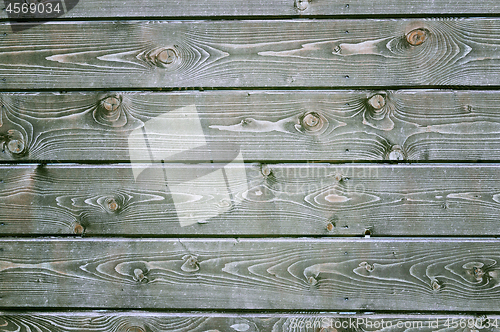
(367, 232)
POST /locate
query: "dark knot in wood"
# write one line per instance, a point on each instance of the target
(396, 153)
(167, 57)
(15, 142)
(377, 102)
(78, 229)
(301, 4)
(111, 103)
(312, 122)
(111, 204)
(416, 37)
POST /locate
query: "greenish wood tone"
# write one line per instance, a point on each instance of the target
(280, 125)
(274, 199)
(141, 321)
(251, 8)
(257, 53)
(296, 274)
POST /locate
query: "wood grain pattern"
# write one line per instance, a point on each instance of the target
(275, 199)
(141, 321)
(307, 273)
(259, 53)
(251, 8)
(263, 125)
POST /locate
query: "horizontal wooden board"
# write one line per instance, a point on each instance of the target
(262, 125)
(241, 8)
(303, 274)
(140, 321)
(258, 53)
(275, 199)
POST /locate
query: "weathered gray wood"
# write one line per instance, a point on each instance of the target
(260, 53)
(276, 199)
(306, 273)
(241, 8)
(263, 125)
(141, 321)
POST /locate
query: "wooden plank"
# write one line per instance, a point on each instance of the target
(262, 125)
(251, 8)
(296, 274)
(291, 53)
(141, 321)
(275, 199)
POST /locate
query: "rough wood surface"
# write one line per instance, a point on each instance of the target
(262, 125)
(273, 199)
(244, 8)
(259, 53)
(141, 321)
(314, 274)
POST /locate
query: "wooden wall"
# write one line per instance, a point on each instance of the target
(251, 166)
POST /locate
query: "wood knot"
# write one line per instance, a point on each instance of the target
(190, 264)
(416, 37)
(265, 170)
(368, 267)
(436, 285)
(377, 102)
(224, 204)
(301, 4)
(15, 142)
(330, 226)
(16, 146)
(110, 112)
(111, 103)
(111, 204)
(396, 153)
(139, 276)
(78, 229)
(312, 281)
(478, 273)
(247, 122)
(312, 122)
(475, 270)
(166, 57)
(379, 110)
